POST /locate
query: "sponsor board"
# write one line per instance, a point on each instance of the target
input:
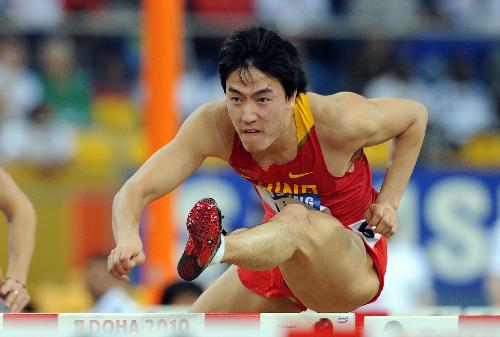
(151, 324)
(283, 324)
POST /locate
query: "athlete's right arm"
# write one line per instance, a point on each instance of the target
(205, 133)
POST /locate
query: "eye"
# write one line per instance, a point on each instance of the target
(235, 99)
(263, 100)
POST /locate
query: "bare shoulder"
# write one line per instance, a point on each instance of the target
(336, 115)
(211, 126)
(209, 113)
(350, 121)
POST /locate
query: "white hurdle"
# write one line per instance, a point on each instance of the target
(245, 325)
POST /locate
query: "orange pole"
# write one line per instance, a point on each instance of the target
(162, 51)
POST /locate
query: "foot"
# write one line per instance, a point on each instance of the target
(204, 224)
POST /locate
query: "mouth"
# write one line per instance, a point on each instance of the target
(251, 132)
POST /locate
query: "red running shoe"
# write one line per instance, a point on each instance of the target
(204, 224)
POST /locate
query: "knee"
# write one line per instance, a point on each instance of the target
(297, 217)
(324, 228)
(298, 220)
(296, 211)
(316, 229)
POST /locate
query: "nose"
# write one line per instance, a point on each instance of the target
(249, 115)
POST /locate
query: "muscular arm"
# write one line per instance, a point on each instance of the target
(404, 121)
(205, 133)
(362, 122)
(22, 222)
(200, 136)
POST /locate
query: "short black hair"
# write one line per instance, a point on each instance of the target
(265, 50)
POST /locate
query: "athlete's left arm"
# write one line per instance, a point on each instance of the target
(404, 121)
(374, 121)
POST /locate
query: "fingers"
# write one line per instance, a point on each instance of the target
(377, 213)
(140, 258)
(9, 286)
(20, 300)
(123, 258)
(381, 219)
(115, 267)
(15, 294)
(386, 226)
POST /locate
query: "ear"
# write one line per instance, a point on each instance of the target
(291, 100)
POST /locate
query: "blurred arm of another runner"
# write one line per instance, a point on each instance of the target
(21, 217)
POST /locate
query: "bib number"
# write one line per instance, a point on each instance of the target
(365, 232)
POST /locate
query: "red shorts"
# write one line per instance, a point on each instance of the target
(270, 283)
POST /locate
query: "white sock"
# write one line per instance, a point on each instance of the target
(220, 252)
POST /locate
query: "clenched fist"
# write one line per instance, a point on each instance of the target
(382, 218)
(123, 258)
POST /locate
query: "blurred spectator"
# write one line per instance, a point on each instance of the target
(197, 87)
(66, 89)
(36, 15)
(112, 77)
(293, 16)
(494, 78)
(324, 65)
(107, 292)
(434, 16)
(51, 143)
(20, 91)
(370, 61)
(113, 105)
(83, 5)
(385, 15)
(465, 106)
(226, 14)
(181, 293)
(136, 4)
(480, 16)
(397, 81)
(42, 140)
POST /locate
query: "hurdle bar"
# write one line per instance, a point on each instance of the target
(243, 325)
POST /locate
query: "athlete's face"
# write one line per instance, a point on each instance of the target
(258, 108)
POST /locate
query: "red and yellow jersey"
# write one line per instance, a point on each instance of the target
(306, 179)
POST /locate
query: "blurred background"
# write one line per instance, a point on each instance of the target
(73, 128)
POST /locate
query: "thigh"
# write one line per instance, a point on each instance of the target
(228, 295)
(336, 273)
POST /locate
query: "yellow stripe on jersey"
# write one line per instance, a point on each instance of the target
(303, 118)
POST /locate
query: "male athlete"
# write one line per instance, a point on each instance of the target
(322, 244)
(22, 222)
